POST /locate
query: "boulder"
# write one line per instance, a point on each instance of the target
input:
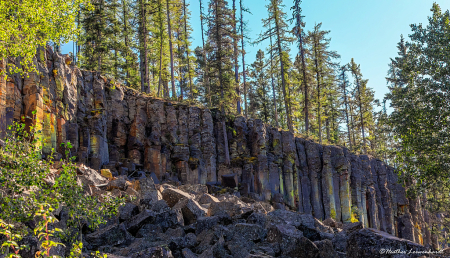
(113, 235)
(349, 228)
(127, 211)
(135, 223)
(340, 241)
(290, 218)
(154, 252)
(169, 218)
(196, 189)
(90, 177)
(205, 223)
(292, 242)
(329, 222)
(119, 183)
(369, 242)
(190, 209)
(224, 207)
(148, 191)
(187, 253)
(173, 196)
(207, 198)
(326, 249)
(250, 232)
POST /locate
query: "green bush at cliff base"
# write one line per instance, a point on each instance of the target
(26, 181)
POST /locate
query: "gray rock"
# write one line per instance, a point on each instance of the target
(291, 241)
(113, 235)
(135, 223)
(326, 249)
(250, 232)
(173, 196)
(154, 252)
(205, 223)
(369, 242)
(187, 253)
(190, 209)
(127, 211)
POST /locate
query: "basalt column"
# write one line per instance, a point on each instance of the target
(259, 141)
(305, 182)
(290, 174)
(313, 153)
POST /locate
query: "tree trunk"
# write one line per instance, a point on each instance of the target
(187, 50)
(361, 114)
(353, 125)
(219, 55)
(305, 84)
(161, 49)
(273, 82)
(99, 36)
(174, 94)
(205, 76)
(180, 68)
(283, 80)
(316, 61)
(346, 108)
(236, 64)
(244, 73)
(125, 32)
(144, 49)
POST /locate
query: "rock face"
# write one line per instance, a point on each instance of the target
(115, 127)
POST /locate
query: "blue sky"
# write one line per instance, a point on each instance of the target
(366, 30)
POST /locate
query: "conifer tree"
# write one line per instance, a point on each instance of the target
(143, 47)
(355, 69)
(235, 57)
(169, 28)
(272, 72)
(323, 67)
(220, 48)
(259, 101)
(346, 103)
(280, 31)
(299, 33)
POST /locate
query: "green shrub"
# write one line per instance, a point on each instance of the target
(26, 182)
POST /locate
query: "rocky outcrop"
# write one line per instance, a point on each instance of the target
(135, 135)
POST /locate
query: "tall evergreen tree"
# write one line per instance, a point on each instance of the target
(220, 48)
(323, 67)
(172, 79)
(280, 31)
(346, 103)
(299, 33)
(260, 101)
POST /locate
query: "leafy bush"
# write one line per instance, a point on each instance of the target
(27, 181)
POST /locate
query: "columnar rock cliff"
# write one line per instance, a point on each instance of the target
(112, 126)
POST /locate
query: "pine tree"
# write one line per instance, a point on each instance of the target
(169, 28)
(94, 36)
(355, 69)
(260, 102)
(272, 72)
(299, 33)
(346, 103)
(235, 57)
(188, 58)
(220, 49)
(205, 70)
(323, 67)
(143, 47)
(280, 31)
